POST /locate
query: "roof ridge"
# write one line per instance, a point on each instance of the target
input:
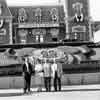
(38, 6)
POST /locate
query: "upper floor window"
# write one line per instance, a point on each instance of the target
(38, 14)
(78, 11)
(22, 16)
(54, 14)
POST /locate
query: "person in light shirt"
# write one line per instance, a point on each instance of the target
(47, 75)
(56, 74)
(39, 74)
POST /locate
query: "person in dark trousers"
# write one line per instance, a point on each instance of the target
(57, 74)
(47, 75)
(27, 72)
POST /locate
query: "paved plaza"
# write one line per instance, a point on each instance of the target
(88, 92)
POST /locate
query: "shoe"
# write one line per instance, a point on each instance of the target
(39, 90)
(55, 90)
(59, 89)
(29, 91)
(25, 92)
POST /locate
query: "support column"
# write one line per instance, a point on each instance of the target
(9, 21)
(10, 32)
(90, 31)
(66, 18)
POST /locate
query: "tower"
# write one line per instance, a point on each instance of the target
(78, 21)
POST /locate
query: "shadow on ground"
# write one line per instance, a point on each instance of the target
(22, 94)
(10, 94)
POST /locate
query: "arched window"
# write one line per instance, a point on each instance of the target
(38, 14)
(78, 11)
(22, 16)
(54, 14)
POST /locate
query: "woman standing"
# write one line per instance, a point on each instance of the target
(39, 74)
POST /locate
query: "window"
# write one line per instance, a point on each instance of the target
(54, 14)
(22, 16)
(55, 33)
(38, 14)
(78, 11)
(41, 39)
(23, 36)
(76, 36)
(23, 41)
(37, 38)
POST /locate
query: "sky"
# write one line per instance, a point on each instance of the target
(94, 8)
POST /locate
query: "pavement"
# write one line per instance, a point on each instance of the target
(85, 92)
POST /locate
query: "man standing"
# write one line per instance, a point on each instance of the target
(57, 73)
(27, 72)
(47, 75)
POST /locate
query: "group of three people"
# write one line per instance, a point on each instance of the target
(45, 71)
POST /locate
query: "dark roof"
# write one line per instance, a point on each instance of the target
(30, 11)
(5, 10)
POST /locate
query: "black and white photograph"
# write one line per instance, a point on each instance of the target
(49, 50)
